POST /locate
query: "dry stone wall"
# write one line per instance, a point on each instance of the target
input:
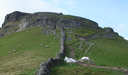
(46, 67)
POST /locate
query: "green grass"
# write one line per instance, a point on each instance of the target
(111, 52)
(22, 52)
(106, 52)
(73, 69)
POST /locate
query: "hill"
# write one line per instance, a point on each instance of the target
(29, 39)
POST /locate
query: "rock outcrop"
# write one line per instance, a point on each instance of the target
(102, 33)
(18, 21)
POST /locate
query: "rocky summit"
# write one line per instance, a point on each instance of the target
(18, 21)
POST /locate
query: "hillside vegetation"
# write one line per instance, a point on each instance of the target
(21, 53)
(105, 51)
(29, 39)
(73, 69)
(112, 52)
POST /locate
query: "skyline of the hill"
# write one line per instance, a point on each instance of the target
(107, 13)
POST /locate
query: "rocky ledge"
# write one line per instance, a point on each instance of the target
(18, 21)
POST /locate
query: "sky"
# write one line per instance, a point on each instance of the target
(107, 13)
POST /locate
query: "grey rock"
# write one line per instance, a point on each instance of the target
(18, 21)
(108, 29)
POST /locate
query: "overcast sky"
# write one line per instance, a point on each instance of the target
(108, 13)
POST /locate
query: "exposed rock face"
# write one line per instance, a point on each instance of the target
(105, 33)
(108, 30)
(18, 21)
(15, 16)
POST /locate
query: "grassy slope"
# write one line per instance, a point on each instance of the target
(109, 52)
(22, 52)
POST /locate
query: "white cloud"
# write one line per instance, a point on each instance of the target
(8, 6)
(122, 30)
